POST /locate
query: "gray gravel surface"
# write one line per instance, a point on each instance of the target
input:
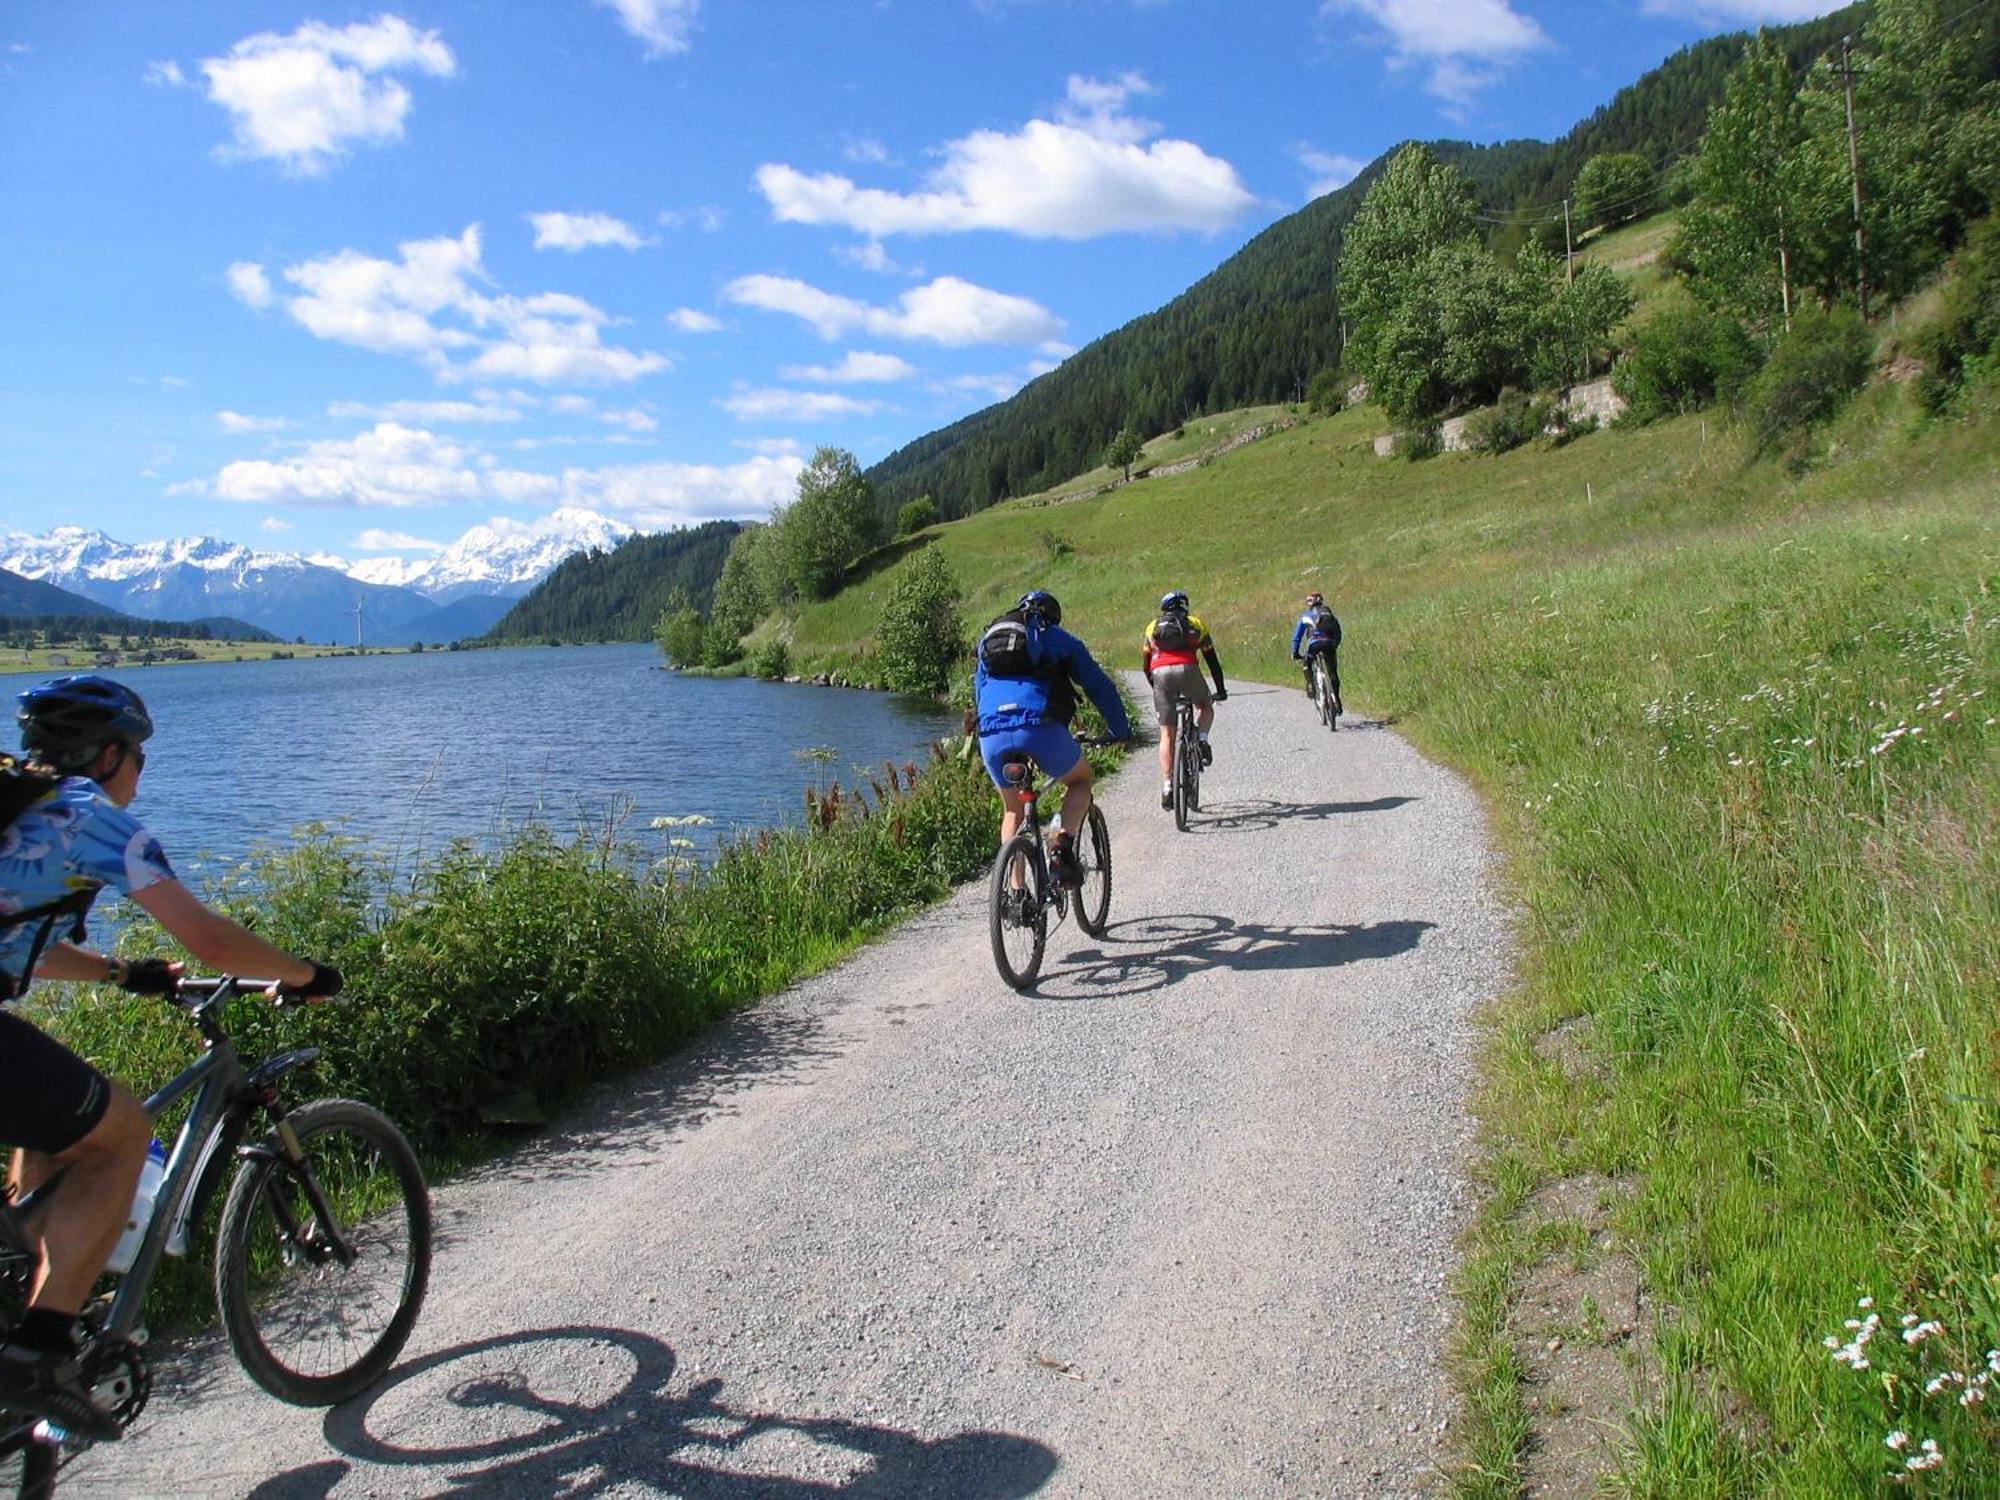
(1177, 1222)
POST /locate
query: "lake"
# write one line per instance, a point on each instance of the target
(413, 750)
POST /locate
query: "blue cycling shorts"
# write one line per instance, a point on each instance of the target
(1054, 748)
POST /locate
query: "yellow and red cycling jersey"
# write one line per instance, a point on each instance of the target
(1157, 655)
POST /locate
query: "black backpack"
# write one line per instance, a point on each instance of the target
(1172, 632)
(1011, 647)
(21, 789)
(1325, 626)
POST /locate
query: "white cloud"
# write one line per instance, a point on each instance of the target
(708, 219)
(870, 255)
(1745, 12)
(689, 320)
(426, 411)
(166, 75)
(300, 100)
(274, 523)
(572, 406)
(425, 306)
(248, 283)
(390, 465)
(661, 24)
(373, 540)
(776, 447)
(631, 419)
(993, 387)
(865, 150)
(945, 311)
(235, 421)
(572, 232)
(1460, 41)
(1084, 174)
(670, 494)
(794, 406)
(859, 366)
(1330, 171)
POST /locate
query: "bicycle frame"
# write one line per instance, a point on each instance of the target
(209, 1139)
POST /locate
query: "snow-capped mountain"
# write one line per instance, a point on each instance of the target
(506, 557)
(318, 598)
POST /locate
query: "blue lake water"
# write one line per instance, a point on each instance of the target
(413, 750)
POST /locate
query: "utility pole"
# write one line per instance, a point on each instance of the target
(1854, 171)
(1569, 273)
(357, 624)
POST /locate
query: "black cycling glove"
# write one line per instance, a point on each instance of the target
(324, 984)
(149, 976)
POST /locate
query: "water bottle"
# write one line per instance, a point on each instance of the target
(150, 1177)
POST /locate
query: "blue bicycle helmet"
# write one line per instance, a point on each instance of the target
(1041, 602)
(66, 721)
(1175, 603)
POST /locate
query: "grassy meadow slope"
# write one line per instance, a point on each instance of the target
(1736, 725)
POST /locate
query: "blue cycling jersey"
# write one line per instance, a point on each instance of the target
(75, 839)
(1007, 703)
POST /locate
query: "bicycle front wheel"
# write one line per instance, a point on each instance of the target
(1016, 912)
(321, 1266)
(1093, 897)
(1325, 695)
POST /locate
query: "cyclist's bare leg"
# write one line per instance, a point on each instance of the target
(1076, 796)
(87, 1214)
(1013, 808)
(1166, 752)
(1204, 718)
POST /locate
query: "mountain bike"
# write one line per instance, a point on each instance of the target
(1323, 693)
(1187, 764)
(323, 1245)
(1024, 890)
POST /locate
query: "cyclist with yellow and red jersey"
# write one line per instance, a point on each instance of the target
(1176, 644)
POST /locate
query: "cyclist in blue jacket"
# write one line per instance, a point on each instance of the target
(85, 739)
(1024, 692)
(1319, 631)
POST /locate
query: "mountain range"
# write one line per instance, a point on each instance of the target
(463, 591)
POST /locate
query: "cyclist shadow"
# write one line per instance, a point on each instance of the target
(1168, 949)
(488, 1415)
(1260, 812)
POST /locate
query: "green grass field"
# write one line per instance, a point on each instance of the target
(1736, 728)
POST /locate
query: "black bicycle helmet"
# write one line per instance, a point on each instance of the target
(1175, 603)
(1041, 602)
(65, 722)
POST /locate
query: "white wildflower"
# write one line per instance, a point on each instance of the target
(1897, 1440)
(1929, 1458)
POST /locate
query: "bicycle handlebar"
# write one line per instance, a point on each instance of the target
(204, 993)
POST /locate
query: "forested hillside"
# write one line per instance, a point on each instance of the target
(1257, 328)
(618, 595)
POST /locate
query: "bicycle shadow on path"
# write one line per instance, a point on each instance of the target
(1263, 813)
(487, 1414)
(1164, 950)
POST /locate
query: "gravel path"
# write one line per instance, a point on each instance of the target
(1177, 1223)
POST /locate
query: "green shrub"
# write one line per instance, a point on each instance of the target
(1683, 360)
(916, 515)
(1515, 419)
(922, 633)
(771, 661)
(1955, 347)
(1809, 376)
(1326, 392)
(1423, 441)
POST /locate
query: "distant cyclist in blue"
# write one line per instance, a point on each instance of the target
(1024, 692)
(1320, 633)
(72, 836)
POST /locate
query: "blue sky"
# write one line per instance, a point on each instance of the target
(352, 279)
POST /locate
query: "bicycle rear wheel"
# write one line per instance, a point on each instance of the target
(1016, 912)
(1325, 694)
(1093, 897)
(320, 1269)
